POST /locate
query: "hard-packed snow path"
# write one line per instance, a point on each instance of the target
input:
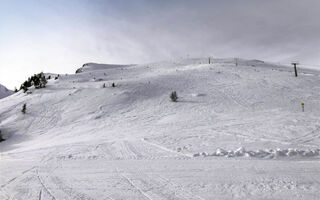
(236, 132)
(131, 174)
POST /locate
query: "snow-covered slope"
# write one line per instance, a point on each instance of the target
(237, 131)
(4, 92)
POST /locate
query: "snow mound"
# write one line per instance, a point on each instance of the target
(260, 153)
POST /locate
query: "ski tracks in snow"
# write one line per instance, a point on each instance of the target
(155, 187)
(166, 149)
(44, 187)
(307, 137)
(141, 149)
(15, 178)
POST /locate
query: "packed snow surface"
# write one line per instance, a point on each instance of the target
(238, 131)
(4, 92)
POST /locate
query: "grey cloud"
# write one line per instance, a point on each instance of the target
(61, 35)
(225, 28)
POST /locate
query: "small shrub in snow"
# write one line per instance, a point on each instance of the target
(174, 96)
(24, 108)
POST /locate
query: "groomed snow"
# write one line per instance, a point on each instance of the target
(236, 132)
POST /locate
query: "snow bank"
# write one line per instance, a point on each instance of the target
(267, 153)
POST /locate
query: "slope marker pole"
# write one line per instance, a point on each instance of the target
(295, 67)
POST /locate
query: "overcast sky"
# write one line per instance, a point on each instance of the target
(60, 35)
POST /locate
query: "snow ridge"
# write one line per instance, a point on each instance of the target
(267, 153)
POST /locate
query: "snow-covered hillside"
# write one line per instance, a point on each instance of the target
(236, 132)
(4, 92)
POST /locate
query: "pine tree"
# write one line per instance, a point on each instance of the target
(1, 138)
(24, 87)
(43, 80)
(174, 96)
(37, 80)
(24, 108)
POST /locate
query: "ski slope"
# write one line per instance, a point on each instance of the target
(236, 132)
(4, 92)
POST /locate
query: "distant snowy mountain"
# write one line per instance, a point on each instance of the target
(4, 92)
(237, 131)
